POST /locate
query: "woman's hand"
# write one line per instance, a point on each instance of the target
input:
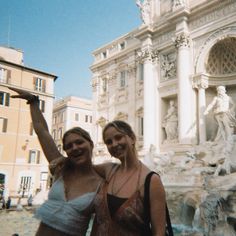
(24, 95)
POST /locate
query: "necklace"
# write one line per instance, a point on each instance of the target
(115, 192)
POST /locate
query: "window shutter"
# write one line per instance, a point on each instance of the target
(7, 101)
(4, 128)
(30, 153)
(8, 76)
(38, 157)
(43, 85)
(34, 83)
(31, 129)
(42, 105)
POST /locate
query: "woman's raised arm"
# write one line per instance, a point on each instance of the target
(39, 123)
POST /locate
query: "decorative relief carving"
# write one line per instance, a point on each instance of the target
(139, 112)
(94, 84)
(182, 40)
(221, 12)
(103, 100)
(101, 121)
(147, 54)
(165, 38)
(131, 70)
(139, 92)
(121, 95)
(177, 4)
(168, 66)
(145, 10)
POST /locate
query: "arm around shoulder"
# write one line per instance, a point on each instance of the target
(104, 169)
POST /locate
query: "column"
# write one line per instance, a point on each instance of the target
(184, 89)
(201, 83)
(149, 95)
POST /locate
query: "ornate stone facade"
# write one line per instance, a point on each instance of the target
(181, 53)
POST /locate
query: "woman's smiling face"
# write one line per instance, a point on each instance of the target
(77, 148)
(118, 143)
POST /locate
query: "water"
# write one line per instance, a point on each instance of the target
(182, 230)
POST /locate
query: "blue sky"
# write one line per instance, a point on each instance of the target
(59, 36)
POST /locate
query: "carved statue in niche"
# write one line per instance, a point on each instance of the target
(223, 147)
(223, 108)
(170, 123)
(145, 10)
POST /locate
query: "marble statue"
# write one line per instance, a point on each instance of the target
(170, 123)
(223, 107)
(145, 10)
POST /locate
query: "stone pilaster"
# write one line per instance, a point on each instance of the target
(184, 88)
(148, 56)
(200, 82)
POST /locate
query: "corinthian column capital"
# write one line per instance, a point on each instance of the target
(182, 40)
(147, 54)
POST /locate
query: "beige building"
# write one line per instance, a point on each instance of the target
(23, 166)
(181, 52)
(70, 112)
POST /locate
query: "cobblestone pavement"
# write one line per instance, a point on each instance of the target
(20, 222)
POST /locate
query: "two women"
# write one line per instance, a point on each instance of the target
(130, 203)
(72, 196)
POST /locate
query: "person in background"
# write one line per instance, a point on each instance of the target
(30, 200)
(8, 204)
(125, 207)
(71, 198)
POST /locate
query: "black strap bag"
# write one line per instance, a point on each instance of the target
(169, 230)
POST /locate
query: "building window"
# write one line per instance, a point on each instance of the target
(91, 119)
(76, 116)
(42, 105)
(3, 125)
(141, 74)
(39, 84)
(104, 85)
(62, 117)
(122, 79)
(4, 75)
(122, 45)
(43, 176)
(25, 185)
(104, 55)
(54, 119)
(60, 132)
(86, 118)
(4, 98)
(140, 126)
(34, 157)
(54, 134)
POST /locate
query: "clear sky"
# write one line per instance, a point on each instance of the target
(59, 36)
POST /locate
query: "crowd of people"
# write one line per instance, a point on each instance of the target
(126, 198)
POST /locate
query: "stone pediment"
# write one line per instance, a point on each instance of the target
(121, 116)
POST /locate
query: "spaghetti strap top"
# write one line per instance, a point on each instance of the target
(71, 217)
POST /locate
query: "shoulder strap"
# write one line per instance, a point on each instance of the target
(112, 171)
(169, 231)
